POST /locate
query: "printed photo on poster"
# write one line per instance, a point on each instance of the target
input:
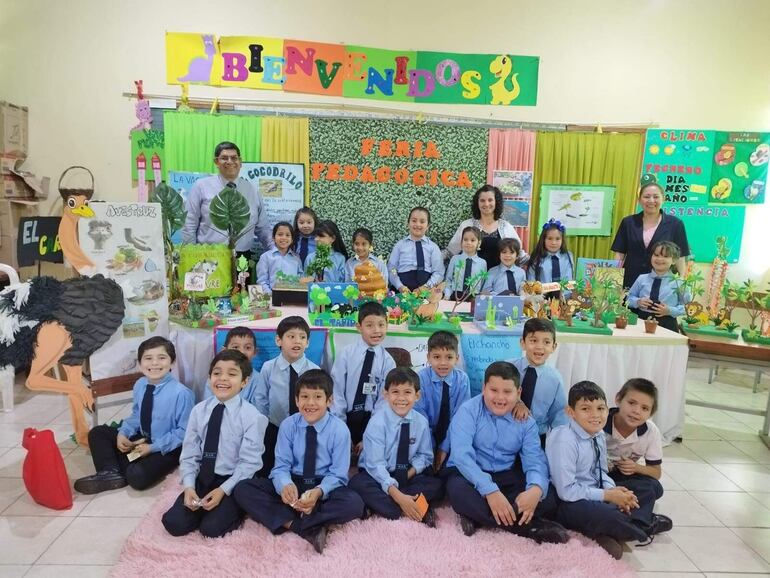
(281, 186)
(513, 183)
(583, 209)
(516, 212)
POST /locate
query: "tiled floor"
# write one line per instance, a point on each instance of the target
(717, 492)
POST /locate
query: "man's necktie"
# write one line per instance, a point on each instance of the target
(598, 463)
(511, 281)
(311, 447)
(442, 425)
(402, 456)
(230, 185)
(359, 401)
(292, 390)
(210, 448)
(467, 273)
(145, 414)
(303, 249)
(420, 255)
(655, 290)
(528, 387)
(555, 269)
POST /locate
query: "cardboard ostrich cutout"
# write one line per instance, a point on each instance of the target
(45, 321)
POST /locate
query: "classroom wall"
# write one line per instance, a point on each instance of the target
(683, 63)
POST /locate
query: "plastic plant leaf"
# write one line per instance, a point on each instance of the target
(230, 212)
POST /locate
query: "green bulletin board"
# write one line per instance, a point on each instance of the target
(739, 173)
(705, 223)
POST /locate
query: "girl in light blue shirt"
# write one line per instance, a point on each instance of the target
(327, 233)
(281, 258)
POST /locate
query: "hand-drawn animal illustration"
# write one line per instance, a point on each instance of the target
(199, 69)
(205, 266)
(99, 232)
(501, 67)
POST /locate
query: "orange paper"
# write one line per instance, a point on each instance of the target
(321, 73)
(422, 505)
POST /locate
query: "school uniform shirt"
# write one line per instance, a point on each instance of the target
(241, 442)
(577, 472)
(198, 227)
(644, 442)
(171, 406)
(347, 370)
(504, 230)
(332, 452)
(247, 392)
(483, 443)
(431, 389)
(354, 261)
(333, 274)
(454, 277)
(629, 241)
(566, 269)
(403, 257)
(670, 294)
(550, 398)
(310, 245)
(381, 439)
(497, 281)
(271, 391)
(271, 262)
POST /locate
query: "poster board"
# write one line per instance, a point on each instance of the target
(182, 182)
(281, 186)
(705, 223)
(129, 249)
(739, 173)
(38, 240)
(582, 209)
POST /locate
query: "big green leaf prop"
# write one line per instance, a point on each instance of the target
(174, 215)
(230, 212)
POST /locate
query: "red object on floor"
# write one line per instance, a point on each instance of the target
(45, 476)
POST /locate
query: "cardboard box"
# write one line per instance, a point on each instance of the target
(10, 214)
(14, 129)
(18, 184)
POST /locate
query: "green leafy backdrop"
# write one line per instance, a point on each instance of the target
(384, 207)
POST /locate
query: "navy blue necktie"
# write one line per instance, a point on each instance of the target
(360, 399)
(311, 447)
(555, 269)
(420, 256)
(442, 425)
(467, 273)
(145, 413)
(210, 448)
(231, 185)
(655, 291)
(402, 456)
(292, 390)
(303, 249)
(511, 281)
(528, 387)
(598, 464)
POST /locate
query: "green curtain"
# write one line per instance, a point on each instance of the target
(573, 158)
(192, 137)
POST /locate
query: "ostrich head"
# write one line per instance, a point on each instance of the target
(77, 206)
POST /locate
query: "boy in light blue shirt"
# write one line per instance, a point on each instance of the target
(307, 489)
(485, 487)
(241, 339)
(506, 278)
(542, 387)
(443, 389)
(397, 455)
(359, 372)
(222, 446)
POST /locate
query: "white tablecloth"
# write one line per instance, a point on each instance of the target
(604, 359)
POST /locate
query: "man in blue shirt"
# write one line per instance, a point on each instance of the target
(198, 227)
(307, 489)
(147, 446)
(487, 489)
(589, 502)
(222, 446)
(397, 456)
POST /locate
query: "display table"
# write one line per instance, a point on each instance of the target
(733, 353)
(609, 360)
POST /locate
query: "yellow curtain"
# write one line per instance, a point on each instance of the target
(572, 158)
(287, 140)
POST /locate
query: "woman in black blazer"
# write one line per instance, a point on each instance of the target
(638, 233)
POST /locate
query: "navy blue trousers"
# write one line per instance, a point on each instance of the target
(647, 490)
(414, 279)
(260, 501)
(468, 502)
(381, 503)
(140, 474)
(226, 517)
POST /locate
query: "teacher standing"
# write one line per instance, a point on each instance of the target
(198, 227)
(638, 233)
(487, 210)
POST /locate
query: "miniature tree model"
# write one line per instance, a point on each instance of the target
(351, 293)
(753, 303)
(602, 300)
(230, 212)
(319, 297)
(717, 276)
(173, 214)
(321, 261)
(471, 288)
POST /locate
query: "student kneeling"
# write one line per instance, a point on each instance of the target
(312, 457)
(397, 450)
(487, 486)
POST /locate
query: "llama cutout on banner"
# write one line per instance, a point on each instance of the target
(199, 69)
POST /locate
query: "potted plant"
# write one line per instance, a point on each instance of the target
(230, 212)
(622, 313)
(650, 325)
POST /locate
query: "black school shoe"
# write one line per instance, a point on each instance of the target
(430, 518)
(317, 538)
(468, 526)
(101, 482)
(611, 546)
(660, 524)
(541, 530)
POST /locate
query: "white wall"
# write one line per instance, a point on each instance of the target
(672, 63)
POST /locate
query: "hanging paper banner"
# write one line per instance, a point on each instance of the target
(681, 160)
(351, 71)
(148, 143)
(704, 224)
(281, 186)
(739, 173)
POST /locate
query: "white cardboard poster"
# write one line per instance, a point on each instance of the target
(281, 186)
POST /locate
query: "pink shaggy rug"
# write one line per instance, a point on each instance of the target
(371, 548)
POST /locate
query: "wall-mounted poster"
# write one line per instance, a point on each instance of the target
(182, 182)
(513, 184)
(125, 243)
(281, 186)
(582, 209)
(681, 160)
(705, 223)
(739, 173)
(516, 212)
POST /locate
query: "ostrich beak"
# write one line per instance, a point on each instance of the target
(83, 211)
